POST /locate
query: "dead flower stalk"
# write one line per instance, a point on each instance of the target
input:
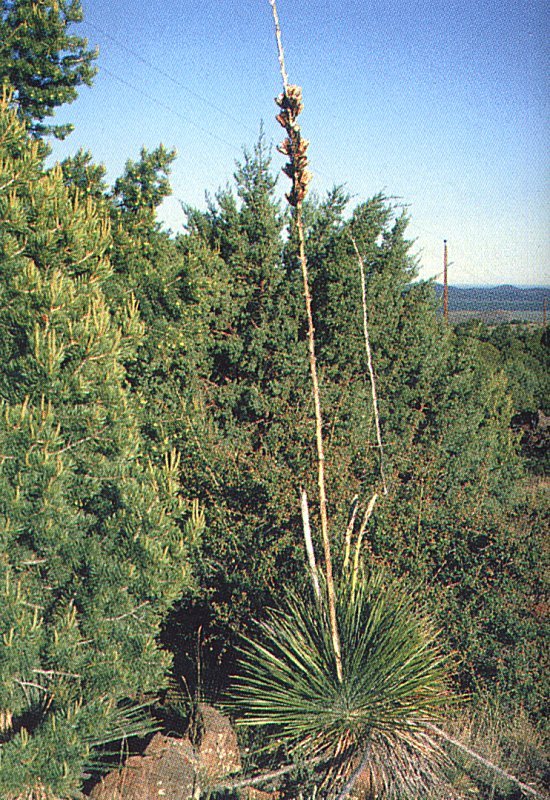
(295, 148)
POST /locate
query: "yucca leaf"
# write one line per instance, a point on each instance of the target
(393, 679)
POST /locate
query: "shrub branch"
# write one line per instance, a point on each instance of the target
(523, 787)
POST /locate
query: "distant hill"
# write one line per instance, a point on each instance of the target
(496, 303)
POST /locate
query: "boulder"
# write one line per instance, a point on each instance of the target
(178, 769)
(217, 747)
(167, 769)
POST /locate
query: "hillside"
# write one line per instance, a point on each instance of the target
(495, 304)
(249, 475)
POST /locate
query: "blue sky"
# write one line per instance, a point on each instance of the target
(441, 104)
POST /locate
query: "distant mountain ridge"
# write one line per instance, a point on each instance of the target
(503, 303)
(501, 298)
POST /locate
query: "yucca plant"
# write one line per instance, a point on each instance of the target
(350, 679)
(351, 675)
(393, 683)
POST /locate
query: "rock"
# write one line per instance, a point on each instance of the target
(176, 769)
(167, 769)
(217, 749)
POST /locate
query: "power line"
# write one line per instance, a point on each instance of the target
(191, 121)
(181, 85)
(187, 119)
(169, 77)
(190, 91)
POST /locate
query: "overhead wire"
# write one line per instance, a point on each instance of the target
(186, 118)
(219, 110)
(138, 56)
(148, 63)
(168, 76)
(190, 120)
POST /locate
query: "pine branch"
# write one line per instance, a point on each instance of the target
(132, 613)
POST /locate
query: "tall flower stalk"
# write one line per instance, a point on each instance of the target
(370, 366)
(355, 680)
(295, 148)
(353, 677)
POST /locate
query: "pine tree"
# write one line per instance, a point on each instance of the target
(238, 406)
(41, 61)
(81, 175)
(93, 550)
(148, 263)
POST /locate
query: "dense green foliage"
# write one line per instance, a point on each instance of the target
(522, 353)
(91, 552)
(152, 383)
(41, 60)
(245, 431)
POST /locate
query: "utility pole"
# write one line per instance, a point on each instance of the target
(544, 312)
(445, 283)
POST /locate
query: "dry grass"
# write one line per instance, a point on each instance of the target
(508, 741)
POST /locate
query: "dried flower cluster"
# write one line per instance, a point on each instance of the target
(294, 146)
